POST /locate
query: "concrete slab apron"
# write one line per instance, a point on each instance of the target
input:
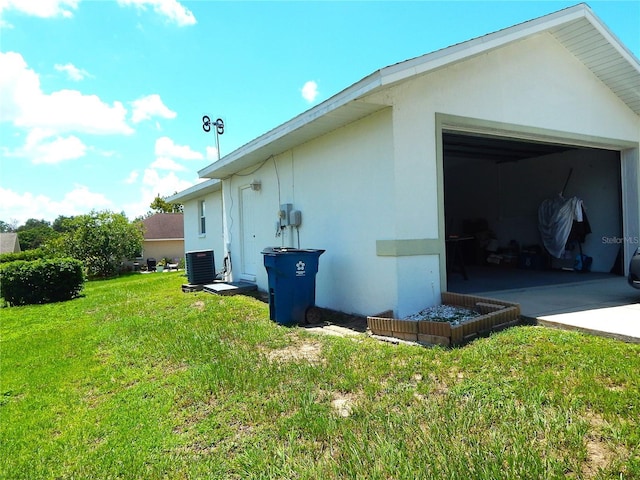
(607, 307)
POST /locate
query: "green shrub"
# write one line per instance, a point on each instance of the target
(101, 240)
(41, 281)
(27, 255)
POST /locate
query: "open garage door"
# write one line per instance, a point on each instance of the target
(493, 189)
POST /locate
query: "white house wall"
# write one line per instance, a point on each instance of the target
(159, 249)
(214, 237)
(534, 82)
(371, 193)
(342, 184)
(533, 85)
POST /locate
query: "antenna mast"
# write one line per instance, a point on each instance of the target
(219, 129)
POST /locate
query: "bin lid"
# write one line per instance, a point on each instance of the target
(286, 250)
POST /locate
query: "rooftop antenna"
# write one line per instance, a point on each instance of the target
(219, 129)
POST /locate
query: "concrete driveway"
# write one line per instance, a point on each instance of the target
(607, 307)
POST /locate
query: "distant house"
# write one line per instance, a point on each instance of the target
(163, 236)
(9, 243)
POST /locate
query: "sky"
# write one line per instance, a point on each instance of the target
(101, 101)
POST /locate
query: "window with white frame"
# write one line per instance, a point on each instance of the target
(203, 222)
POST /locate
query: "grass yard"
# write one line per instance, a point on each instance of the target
(138, 380)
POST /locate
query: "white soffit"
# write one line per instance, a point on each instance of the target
(576, 28)
(595, 46)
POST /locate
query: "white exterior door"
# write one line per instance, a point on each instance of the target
(250, 253)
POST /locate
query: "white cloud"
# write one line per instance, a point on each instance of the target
(17, 84)
(212, 153)
(150, 106)
(74, 73)
(81, 200)
(310, 91)
(44, 146)
(171, 9)
(27, 106)
(70, 110)
(164, 163)
(154, 183)
(23, 206)
(166, 148)
(165, 185)
(133, 176)
(160, 177)
(106, 153)
(54, 151)
(41, 8)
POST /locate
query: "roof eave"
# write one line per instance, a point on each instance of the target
(228, 164)
(480, 45)
(195, 191)
(612, 39)
(285, 136)
(173, 239)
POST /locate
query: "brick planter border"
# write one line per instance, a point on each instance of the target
(494, 314)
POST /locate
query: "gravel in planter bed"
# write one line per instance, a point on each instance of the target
(444, 313)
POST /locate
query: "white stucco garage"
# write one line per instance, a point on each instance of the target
(383, 171)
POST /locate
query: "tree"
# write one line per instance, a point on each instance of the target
(34, 233)
(102, 240)
(160, 205)
(8, 226)
(62, 224)
(33, 223)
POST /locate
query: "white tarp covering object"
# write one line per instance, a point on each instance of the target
(555, 220)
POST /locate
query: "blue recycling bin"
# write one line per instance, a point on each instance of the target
(292, 282)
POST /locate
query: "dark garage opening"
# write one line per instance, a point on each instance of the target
(493, 188)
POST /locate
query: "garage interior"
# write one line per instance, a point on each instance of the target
(493, 189)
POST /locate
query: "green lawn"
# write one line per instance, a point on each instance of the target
(139, 380)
